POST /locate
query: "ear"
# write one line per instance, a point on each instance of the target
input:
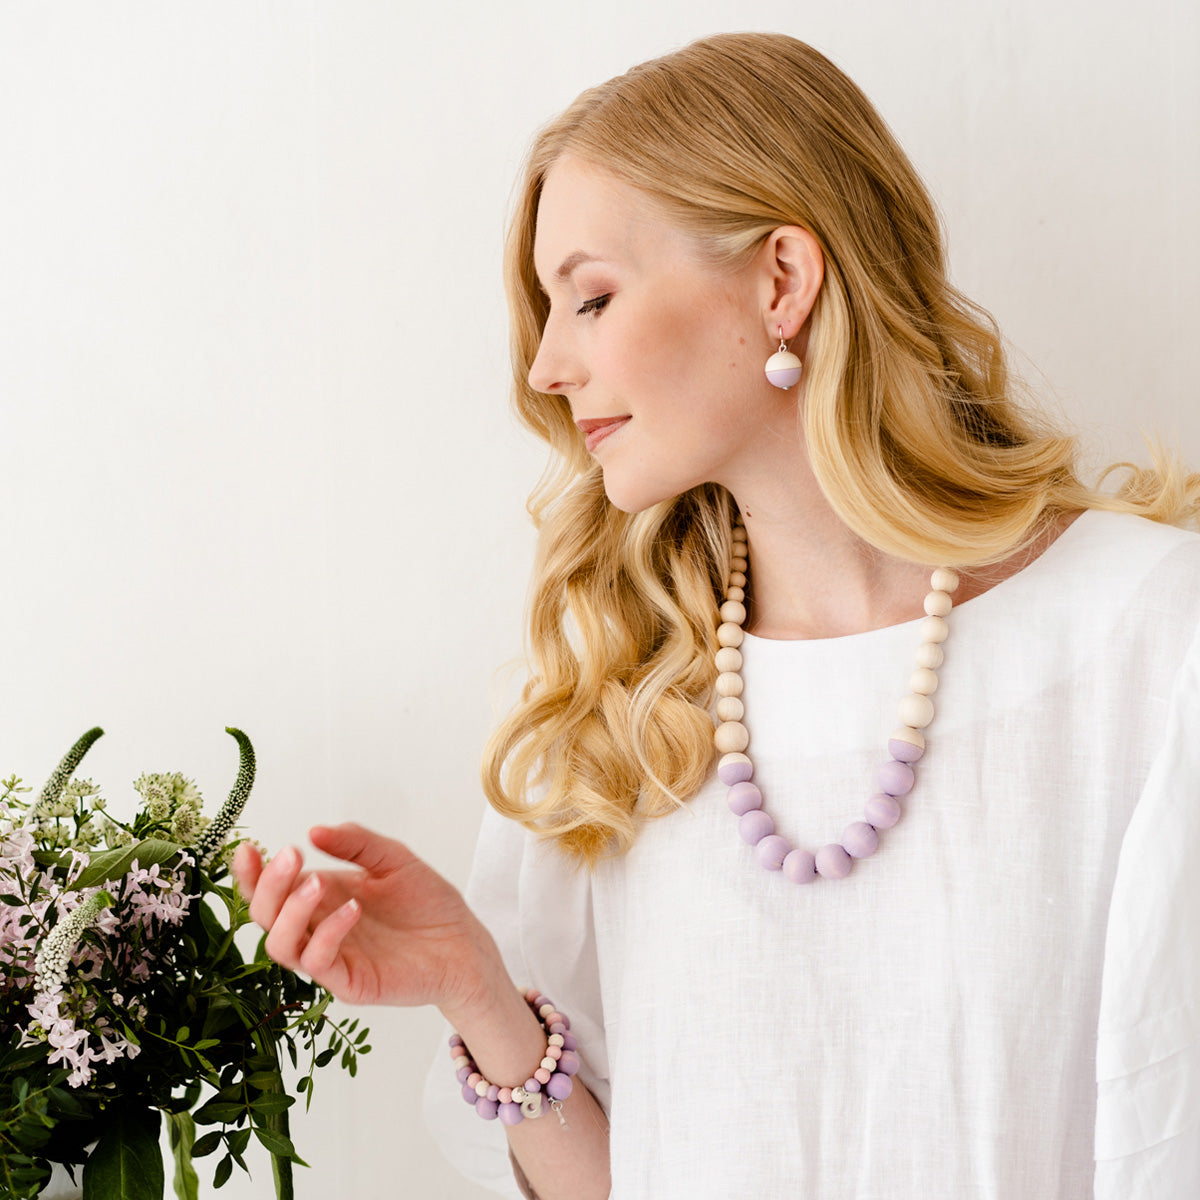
(791, 270)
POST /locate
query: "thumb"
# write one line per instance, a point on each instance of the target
(376, 854)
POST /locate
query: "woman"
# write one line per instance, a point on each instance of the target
(765, 1014)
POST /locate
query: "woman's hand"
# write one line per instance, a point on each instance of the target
(391, 931)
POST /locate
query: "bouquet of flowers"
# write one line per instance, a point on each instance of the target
(124, 997)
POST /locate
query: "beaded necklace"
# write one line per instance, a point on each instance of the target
(860, 839)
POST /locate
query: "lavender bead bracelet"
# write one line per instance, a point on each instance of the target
(551, 1078)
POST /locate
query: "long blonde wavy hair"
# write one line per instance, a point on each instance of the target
(911, 423)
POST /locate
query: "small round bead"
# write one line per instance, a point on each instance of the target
(938, 604)
(560, 1087)
(553, 1053)
(860, 840)
(916, 711)
(833, 862)
(456, 1039)
(896, 778)
(462, 1060)
(473, 1078)
(933, 629)
(533, 1084)
(743, 798)
(739, 545)
(944, 579)
(735, 593)
(771, 852)
(729, 634)
(729, 658)
(542, 1074)
(462, 1074)
(930, 655)
(737, 578)
(735, 768)
(733, 610)
(511, 1114)
(489, 1110)
(800, 867)
(505, 1096)
(729, 683)
(730, 708)
(553, 1018)
(493, 1093)
(481, 1088)
(559, 1026)
(882, 811)
(569, 1063)
(556, 1039)
(923, 682)
(544, 1010)
(547, 1064)
(733, 736)
(905, 751)
(739, 562)
(755, 825)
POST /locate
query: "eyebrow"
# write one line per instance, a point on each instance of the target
(568, 264)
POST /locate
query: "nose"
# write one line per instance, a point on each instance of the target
(555, 368)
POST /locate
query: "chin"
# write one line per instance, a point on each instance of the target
(637, 496)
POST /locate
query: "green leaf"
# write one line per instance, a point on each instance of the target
(272, 1102)
(222, 1173)
(112, 864)
(183, 1134)
(215, 1110)
(207, 1144)
(127, 1161)
(264, 1079)
(277, 1143)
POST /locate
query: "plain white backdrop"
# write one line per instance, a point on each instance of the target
(258, 463)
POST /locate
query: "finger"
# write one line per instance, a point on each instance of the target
(326, 941)
(247, 867)
(275, 884)
(289, 936)
(376, 854)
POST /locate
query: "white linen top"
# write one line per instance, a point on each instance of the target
(1007, 990)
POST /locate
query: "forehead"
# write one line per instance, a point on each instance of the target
(585, 212)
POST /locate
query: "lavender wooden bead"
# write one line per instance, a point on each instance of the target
(903, 751)
(532, 1085)
(882, 811)
(735, 771)
(771, 852)
(511, 1114)
(489, 1110)
(569, 1063)
(560, 1086)
(860, 840)
(493, 1093)
(569, 1042)
(755, 825)
(896, 778)
(462, 1073)
(468, 1094)
(744, 797)
(800, 867)
(833, 862)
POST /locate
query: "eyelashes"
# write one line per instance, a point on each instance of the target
(591, 308)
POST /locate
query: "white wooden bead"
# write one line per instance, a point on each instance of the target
(737, 579)
(739, 548)
(735, 593)
(730, 634)
(944, 579)
(481, 1088)
(914, 737)
(462, 1061)
(923, 682)
(933, 629)
(733, 611)
(735, 756)
(545, 1010)
(556, 1039)
(729, 683)
(731, 736)
(938, 604)
(930, 655)
(916, 711)
(729, 658)
(730, 708)
(548, 1063)
(739, 562)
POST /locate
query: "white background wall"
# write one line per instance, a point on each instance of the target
(258, 465)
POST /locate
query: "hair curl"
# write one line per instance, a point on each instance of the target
(913, 427)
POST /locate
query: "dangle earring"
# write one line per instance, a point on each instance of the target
(783, 367)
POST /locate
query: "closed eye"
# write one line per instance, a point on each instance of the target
(594, 306)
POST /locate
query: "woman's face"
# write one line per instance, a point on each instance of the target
(659, 355)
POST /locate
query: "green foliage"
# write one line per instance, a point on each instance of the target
(212, 1025)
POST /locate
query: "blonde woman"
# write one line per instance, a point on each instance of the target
(944, 942)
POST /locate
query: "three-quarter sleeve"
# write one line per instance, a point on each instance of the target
(1148, 1046)
(538, 907)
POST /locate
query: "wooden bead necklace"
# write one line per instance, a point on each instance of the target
(860, 839)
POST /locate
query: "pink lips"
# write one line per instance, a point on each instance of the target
(595, 431)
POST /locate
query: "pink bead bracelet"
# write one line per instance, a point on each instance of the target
(551, 1077)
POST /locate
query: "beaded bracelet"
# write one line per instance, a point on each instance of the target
(553, 1074)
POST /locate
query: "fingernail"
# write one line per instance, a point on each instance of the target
(312, 885)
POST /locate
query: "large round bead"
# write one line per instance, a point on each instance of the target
(560, 1086)
(783, 369)
(731, 736)
(511, 1114)
(882, 811)
(902, 748)
(929, 655)
(729, 658)
(833, 862)
(734, 768)
(860, 840)
(800, 867)
(569, 1063)
(743, 798)
(933, 629)
(923, 682)
(729, 683)
(771, 851)
(944, 580)
(938, 604)
(754, 826)
(729, 634)
(916, 711)
(489, 1110)
(730, 708)
(896, 778)
(733, 610)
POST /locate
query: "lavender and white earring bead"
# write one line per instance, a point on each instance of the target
(860, 839)
(783, 367)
